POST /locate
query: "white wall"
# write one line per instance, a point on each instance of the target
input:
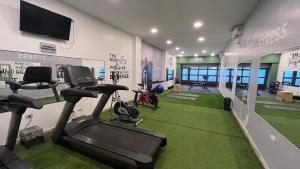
(289, 61)
(93, 39)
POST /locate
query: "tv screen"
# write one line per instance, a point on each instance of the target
(36, 20)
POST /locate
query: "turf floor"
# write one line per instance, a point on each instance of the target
(200, 136)
(285, 121)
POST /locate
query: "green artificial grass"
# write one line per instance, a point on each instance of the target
(198, 138)
(203, 100)
(285, 121)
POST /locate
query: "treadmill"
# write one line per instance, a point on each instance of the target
(17, 104)
(113, 144)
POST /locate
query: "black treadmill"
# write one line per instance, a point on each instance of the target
(114, 144)
(17, 104)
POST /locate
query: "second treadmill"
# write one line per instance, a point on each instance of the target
(117, 145)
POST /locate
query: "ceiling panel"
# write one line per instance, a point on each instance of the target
(174, 19)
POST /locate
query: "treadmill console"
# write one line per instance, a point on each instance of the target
(79, 76)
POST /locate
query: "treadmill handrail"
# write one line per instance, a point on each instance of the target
(19, 101)
(105, 88)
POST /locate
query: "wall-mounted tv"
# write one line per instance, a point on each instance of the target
(37, 20)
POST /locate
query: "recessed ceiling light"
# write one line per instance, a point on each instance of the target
(182, 52)
(198, 24)
(153, 30)
(204, 51)
(212, 54)
(177, 48)
(180, 55)
(169, 42)
(196, 54)
(201, 39)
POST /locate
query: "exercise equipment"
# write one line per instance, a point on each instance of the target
(274, 87)
(183, 96)
(159, 89)
(120, 109)
(202, 84)
(114, 144)
(41, 76)
(143, 97)
(17, 104)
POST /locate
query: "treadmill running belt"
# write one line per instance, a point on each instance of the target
(125, 139)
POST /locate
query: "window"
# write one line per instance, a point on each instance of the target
(101, 73)
(198, 74)
(229, 75)
(184, 74)
(194, 74)
(287, 78)
(262, 74)
(297, 80)
(170, 74)
(243, 75)
(212, 74)
(291, 78)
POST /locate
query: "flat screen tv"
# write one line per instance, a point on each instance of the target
(37, 20)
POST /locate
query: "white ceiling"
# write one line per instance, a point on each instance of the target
(174, 19)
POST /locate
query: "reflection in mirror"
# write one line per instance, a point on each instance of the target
(13, 66)
(278, 93)
(229, 78)
(242, 81)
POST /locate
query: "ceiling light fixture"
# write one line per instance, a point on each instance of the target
(153, 30)
(169, 42)
(198, 24)
(204, 51)
(180, 55)
(182, 52)
(212, 54)
(201, 39)
(196, 54)
(177, 48)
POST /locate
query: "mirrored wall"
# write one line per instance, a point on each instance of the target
(229, 78)
(278, 94)
(242, 81)
(13, 65)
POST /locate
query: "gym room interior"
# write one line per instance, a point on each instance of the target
(149, 84)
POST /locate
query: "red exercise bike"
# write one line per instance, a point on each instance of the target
(146, 97)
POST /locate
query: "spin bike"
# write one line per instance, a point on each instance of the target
(143, 97)
(120, 109)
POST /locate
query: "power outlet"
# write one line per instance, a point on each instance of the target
(29, 116)
(273, 138)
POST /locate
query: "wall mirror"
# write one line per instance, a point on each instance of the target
(242, 81)
(13, 65)
(229, 78)
(279, 93)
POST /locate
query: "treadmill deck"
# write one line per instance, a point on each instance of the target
(125, 139)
